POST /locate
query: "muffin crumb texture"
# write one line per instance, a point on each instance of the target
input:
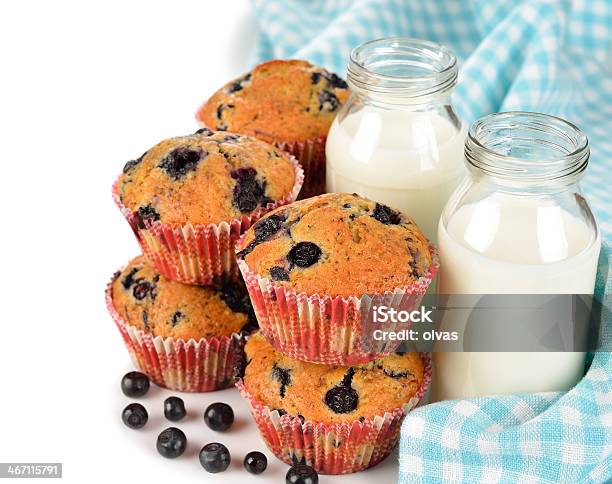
(205, 178)
(156, 305)
(328, 393)
(278, 101)
(337, 244)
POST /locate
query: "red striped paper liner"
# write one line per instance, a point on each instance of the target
(311, 155)
(337, 448)
(200, 254)
(178, 364)
(328, 330)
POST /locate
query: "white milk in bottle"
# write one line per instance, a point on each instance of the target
(397, 140)
(518, 225)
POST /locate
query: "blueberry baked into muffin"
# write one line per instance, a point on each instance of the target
(336, 419)
(337, 244)
(330, 393)
(205, 178)
(189, 198)
(290, 103)
(158, 306)
(314, 267)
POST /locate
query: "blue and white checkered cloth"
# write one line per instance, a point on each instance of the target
(545, 437)
(552, 56)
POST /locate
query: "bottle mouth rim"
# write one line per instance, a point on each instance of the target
(524, 146)
(403, 66)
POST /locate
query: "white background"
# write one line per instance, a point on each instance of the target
(84, 87)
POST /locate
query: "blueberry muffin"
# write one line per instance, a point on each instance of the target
(148, 301)
(337, 244)
(329, 393)
(290, 103)
(205, 178)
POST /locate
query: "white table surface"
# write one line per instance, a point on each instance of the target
(85, 87)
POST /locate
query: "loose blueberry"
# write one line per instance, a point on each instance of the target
(135, 416)
(343, 398)
(386, 215)
(181, 161)
(142, 289)
(219, 416)
(255, 462)
(282, 376)
(301, 474)
(304, 254)
(171, 443)
(135, 384)
(215, 457)
(249, 193)
(278, 273)
(174, 408)
(328, 101)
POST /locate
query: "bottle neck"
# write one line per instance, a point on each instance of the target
(526, 153)
(403, 73)
(391, 102)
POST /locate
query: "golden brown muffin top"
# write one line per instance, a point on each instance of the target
(328, 393)
(152, 303)
(205, 178)
(337, 244)
(280, 100)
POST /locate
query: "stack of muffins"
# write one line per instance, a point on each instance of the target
(321, 389)
(182, 309)
(217, 205)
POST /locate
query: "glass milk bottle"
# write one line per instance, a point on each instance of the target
(518, 225)
(397, 140)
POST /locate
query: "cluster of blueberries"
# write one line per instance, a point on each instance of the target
(172, 442)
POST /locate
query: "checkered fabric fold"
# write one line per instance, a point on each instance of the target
(545, 437)
(550, 56)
